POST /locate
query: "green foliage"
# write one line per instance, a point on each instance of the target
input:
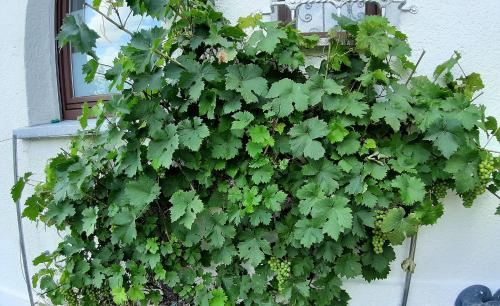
(231, 173)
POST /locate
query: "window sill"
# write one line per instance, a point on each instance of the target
(66, 128)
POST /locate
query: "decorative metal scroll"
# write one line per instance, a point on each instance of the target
(313, 15)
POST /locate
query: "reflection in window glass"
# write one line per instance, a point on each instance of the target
(107, 46)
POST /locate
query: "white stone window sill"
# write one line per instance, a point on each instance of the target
(66, 128)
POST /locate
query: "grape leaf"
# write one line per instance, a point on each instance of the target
(192, 133)
(247, 80)
(303, 135)
(185, 206)
(78, 34)
(411, 189)
(162, 147)
(348, 104)
(142, 191)
(287, 96)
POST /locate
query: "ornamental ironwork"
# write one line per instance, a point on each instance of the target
(313, 15)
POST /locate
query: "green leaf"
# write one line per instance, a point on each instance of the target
(18, 187)
(287, 96)
(143, 47)
(397, 226)
(428, 214)
(411, 189)
(324, 173)
(445, 141)
(348, 265)
(219, 298)
(192, 132)
(89, 219)
(142, 191)
(119, 295)
(303, 135)
(447, 66)
(247, 80)
(265, 40)
(254, 250)
(185, 206)
(260, 135)
(196, 75)
(395, 109)
(337, 132)
(307, 234)
(318, 86)
(136, 293)
(90, 69)
(225, 146)
(242, 120)
(372, 36)
(163, 145)
(78, 34)
(349, 145)
(348, 104)
(338, 216)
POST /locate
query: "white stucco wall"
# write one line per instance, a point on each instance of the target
(463, 249)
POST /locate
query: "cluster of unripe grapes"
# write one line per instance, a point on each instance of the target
(70, 297)
(379, 237)
(486, 169)
(89, 296)
(282, 270)
(440, 189)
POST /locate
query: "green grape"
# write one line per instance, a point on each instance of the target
(70, 297)
(486, 169)
(440, 188)
(282, 270)
(379, 237)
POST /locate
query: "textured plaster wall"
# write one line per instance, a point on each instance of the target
(463, 249)
(12, 113)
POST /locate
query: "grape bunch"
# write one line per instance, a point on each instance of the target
(486, 168)
(440, 188)
(90, 295)
(379, 237)
(282, 269)
(70, 297)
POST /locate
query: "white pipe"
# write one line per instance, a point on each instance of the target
(20, 224)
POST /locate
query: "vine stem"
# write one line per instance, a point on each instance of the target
(491, 137)
(121, 27)
(415, 68)
(496, 195)
(480, 94)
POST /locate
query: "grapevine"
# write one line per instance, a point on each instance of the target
(224, 158)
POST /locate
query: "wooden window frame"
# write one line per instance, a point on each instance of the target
(285, 15)
(71, 106)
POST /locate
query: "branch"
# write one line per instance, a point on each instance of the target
(119, 26)
(491, 137)
(415, 68)
(480, 94)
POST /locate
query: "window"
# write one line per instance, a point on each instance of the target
(316, 18)
(73, 89)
